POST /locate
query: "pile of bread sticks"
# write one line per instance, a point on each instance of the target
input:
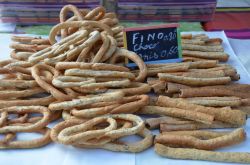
(201, 82)
(201, 47)
(104, 132)
(23, 47)
(82, 78)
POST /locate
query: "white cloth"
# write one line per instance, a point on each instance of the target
(241, 49)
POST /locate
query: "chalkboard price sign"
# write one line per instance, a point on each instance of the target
(154, 44)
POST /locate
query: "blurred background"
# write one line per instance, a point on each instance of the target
(232, 16)
(37, 16)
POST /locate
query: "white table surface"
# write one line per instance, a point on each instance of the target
(241, 49)
(54, 154)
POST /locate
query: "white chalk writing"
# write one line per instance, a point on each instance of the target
(141, 46)
(163, 54)
(140, 38)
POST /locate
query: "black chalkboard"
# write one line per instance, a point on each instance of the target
(155, 44)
